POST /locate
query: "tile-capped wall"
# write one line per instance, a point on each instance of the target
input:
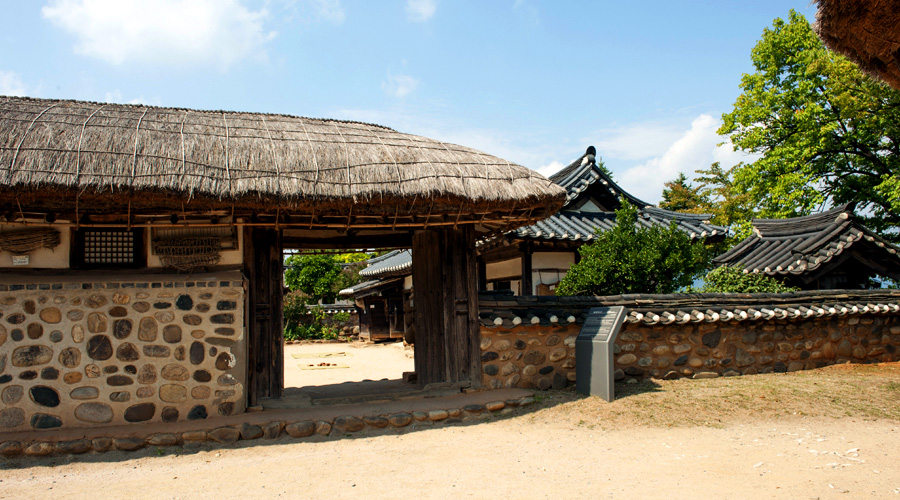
(106, 353)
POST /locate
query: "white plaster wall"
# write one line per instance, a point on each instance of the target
(503, 269)
(550, 267)
(43, 258)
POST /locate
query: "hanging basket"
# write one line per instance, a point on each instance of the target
(189, 253)
(25, 241)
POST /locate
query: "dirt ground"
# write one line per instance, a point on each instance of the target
(349, 362)
(830, 433)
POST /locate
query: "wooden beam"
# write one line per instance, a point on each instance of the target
(393, 240)
(527, 281)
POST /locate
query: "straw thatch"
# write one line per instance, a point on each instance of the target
(866, 31)
(105, 155)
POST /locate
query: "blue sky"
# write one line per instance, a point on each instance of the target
(534, 82)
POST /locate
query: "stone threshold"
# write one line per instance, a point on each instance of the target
(333, 421)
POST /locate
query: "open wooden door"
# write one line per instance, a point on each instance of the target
(263, 267)
(448, 338)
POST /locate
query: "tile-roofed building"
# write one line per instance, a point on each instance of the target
(531, 260)
(827, 250)
(383, 300)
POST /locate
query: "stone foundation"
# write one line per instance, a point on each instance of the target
(76, 354)
(537, 350)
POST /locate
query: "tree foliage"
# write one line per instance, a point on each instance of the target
(826, 133)
(733, 279)
(632, 258)
(314, 275)
(678, 195)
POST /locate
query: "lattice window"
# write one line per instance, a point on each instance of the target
(108, 248)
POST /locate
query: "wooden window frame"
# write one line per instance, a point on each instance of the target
(76, 255)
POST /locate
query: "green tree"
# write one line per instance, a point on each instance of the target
(826, 132)
(314, 275)
(733, 279)
(632, 258)
(678, 195)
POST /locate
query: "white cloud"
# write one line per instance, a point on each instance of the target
(420, 10)
(399, 85)
(163, 32)
(115, 97)
(637, 141)
(696, 148)
(551, 168)
(11, 84)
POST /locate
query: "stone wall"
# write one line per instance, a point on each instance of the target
(150, 349)
(533, 345)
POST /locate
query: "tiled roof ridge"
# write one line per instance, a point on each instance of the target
(690, 308)
(393, 263)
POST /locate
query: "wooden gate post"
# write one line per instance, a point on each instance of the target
(264, 268)
(448, 337)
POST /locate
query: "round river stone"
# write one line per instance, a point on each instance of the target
(122, 328)
(12, 417)
(175, 372)
(172, 334)
(147, 329)
(44, 396)
(140, 412)
(184, 302)
(12, 394)
(94, 413)
(35, 331)
(99, 347)
(51, 315)
(31, 355)
(70, 357)
(197, 353)
(127, 352)
(86, 392)
(44, 421)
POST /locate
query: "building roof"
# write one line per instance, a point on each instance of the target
(866, 31)
(393, 263)
(800, 245)
(367, 288)
(591, 200)
(53, 151)
(681, 308)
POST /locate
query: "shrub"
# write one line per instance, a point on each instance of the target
(633, 258)
(733, 279)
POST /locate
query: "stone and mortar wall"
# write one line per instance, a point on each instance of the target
(543, 355)
(86, 354)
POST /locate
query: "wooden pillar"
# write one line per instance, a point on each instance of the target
(527, 285)
(263, 266)
(482, 274)
(448, 339)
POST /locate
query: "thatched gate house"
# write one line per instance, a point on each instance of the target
(141, 250)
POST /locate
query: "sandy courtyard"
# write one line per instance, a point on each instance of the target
(526, 456)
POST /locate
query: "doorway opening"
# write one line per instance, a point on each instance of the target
(364, 350)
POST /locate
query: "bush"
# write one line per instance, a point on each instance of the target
(635, 259)
(303, 322)
(733, 279)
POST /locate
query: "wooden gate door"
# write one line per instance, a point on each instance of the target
(263, 266)
(448, 339)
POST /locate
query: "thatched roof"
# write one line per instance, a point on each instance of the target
(152, 157)
(866, 31)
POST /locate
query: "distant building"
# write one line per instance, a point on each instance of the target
(532, 260)
(821, 251)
